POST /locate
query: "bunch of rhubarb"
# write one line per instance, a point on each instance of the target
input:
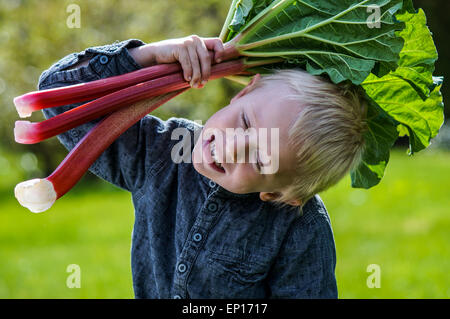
(370, 43)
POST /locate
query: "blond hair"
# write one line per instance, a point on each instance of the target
(327, 135)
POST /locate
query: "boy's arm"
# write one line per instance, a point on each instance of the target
(126, 162)
(305, 267)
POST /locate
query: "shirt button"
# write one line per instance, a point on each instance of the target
(197, 237)
(104, 59)
(212, 207)
(212, 184)
(182, 268)
(177, 297)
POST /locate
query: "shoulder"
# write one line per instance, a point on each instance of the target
(172, 123)
(169, 125)
(312, 224)
(189, 125)
(105, 61)
(184, 131)
(315, 212)
(166, 140)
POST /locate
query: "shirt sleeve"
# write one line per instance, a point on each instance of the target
(305, 267)
(126, 162)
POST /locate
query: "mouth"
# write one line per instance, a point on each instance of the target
(209, 151)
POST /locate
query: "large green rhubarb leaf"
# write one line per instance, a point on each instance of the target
(418, 55)
(404, 104)
(409, 95)
(379, 138)
(332, 37)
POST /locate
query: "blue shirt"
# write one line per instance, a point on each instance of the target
(191, 237)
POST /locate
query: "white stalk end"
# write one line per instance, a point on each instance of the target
(37, 195)
(22, 107)
(21, 131)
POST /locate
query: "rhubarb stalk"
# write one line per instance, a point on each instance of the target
(39, 195)
(26, 132)
(27, 103)
(33, 101)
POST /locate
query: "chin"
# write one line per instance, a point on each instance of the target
(237, 191)
(234, 190)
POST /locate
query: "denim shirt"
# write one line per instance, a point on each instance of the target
(191, 237)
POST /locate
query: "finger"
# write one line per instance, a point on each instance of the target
(196, 72)
(205, 61)
(185, 61)
(215, 44)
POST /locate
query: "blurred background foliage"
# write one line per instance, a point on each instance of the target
(34, 35)
(402, 224)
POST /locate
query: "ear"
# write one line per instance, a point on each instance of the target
(248, 88)
(270, 196)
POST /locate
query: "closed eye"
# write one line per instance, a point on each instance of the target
(244, 120)
(246, 125)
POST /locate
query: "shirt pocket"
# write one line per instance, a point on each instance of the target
(240, 277)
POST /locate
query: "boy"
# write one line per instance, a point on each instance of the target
(211, 228)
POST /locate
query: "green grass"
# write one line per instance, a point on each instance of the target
(401, 225)
(90, 230)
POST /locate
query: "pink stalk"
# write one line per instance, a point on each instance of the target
(29, 133)
(39, 195)
(38, 100)
(33, 101)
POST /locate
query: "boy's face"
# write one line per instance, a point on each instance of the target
(262, 110)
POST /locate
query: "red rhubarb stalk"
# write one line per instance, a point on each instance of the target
(26, 132)
(39, 195)
(33, 101)
(38, 100)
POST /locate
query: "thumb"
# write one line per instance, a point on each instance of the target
(216, 45)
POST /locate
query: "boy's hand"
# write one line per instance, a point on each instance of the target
(191, 52)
